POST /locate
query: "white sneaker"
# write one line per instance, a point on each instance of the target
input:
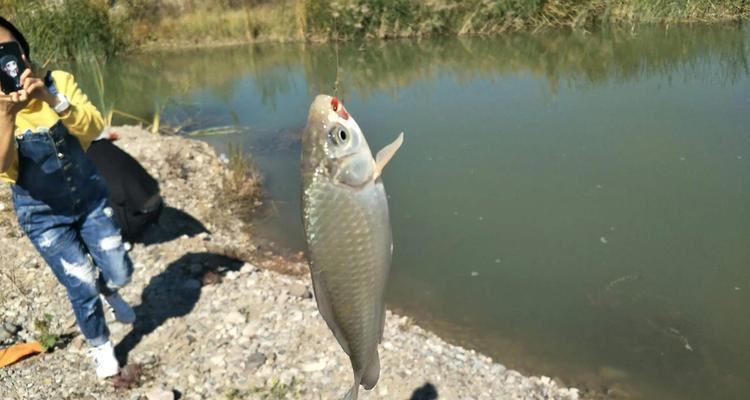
(104, 358)
(123, 312)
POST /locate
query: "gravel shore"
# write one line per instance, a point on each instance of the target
(220, 315)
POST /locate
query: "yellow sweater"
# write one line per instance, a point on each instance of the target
(82, 119)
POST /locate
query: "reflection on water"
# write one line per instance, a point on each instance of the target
(574, 205)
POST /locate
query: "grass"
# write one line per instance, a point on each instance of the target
(44, 335)
(76, 29)
(66, 29)
(262, 22)
(347, 19)
(242, 190)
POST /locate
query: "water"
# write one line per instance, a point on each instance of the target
(573, 205)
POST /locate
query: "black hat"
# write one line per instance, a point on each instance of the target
(16, 34)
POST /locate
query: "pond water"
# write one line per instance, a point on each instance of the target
(576, 205)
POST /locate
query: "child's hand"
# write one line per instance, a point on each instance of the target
(35, 87)
(12, 103)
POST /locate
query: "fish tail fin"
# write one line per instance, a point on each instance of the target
(372, 372)
(353, 393)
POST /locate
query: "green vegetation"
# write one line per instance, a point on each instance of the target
(44, 336)
(216, 24)
(406, 18)
(66, 29)
(242, 184)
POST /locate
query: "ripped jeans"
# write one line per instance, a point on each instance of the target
(61, 204)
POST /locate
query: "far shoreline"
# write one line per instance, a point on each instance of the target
(166, 45)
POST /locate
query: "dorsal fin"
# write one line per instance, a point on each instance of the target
(385, 154)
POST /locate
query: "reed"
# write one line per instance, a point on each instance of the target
(248, 23)
(242, 185)
(65, 29)
(347, 19)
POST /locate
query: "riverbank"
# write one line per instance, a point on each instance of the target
(303, 20)
(81, 28)
(221, 314)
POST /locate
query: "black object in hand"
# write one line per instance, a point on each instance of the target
(12, 66)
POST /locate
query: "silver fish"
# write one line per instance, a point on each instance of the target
(348, 233)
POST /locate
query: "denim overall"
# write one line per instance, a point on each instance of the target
(61, 203)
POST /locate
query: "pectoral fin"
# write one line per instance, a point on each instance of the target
(385, 154)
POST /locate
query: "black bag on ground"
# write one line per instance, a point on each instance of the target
(133, 193)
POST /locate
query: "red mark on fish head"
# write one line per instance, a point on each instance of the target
(339, 108)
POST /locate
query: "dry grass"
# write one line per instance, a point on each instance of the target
(242, 186)
(264, 22)
(348, 19)
(81, 28)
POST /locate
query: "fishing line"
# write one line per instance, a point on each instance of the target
(336, 43)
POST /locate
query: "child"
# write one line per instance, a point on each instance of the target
(60, 199)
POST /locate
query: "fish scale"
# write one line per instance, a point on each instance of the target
(346, 239)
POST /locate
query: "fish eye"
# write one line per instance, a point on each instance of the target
(338, 135)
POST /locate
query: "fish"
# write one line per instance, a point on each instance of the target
(347, 232)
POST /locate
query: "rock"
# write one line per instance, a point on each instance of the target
(159, 394)
(6, 333)
(77, 344)
(235, 318)
(218, 361)
(249, 331)
(256, 360)
(300, 290)
(314, 366)
(148, 359)
(211, 278)
(10, 327)
(248, 268)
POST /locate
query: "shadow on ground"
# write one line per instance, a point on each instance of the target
(172, 224)
(426, 392)
(173, 293)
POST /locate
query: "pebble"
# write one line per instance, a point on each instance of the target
(250, 330)
(235, 318)
(218, 361)
(4, 334)
(314, 366)
(160, 394)
(300, 290)
(256, 360)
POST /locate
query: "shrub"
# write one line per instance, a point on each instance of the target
(66, 29)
